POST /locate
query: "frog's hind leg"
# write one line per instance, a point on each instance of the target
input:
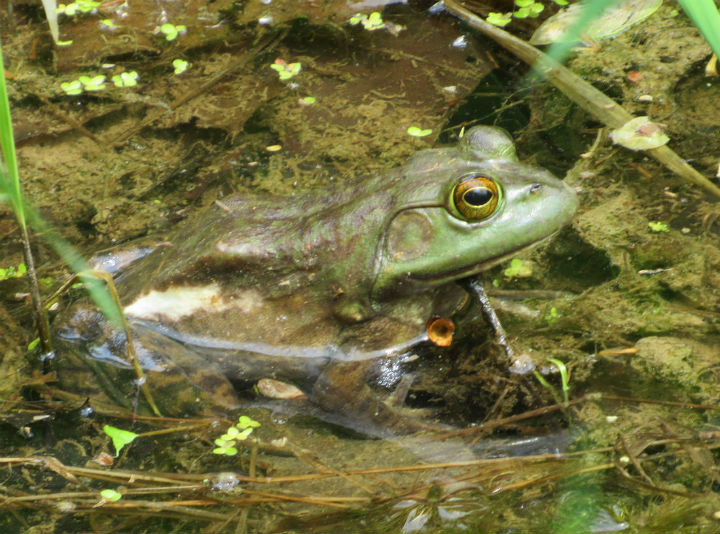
(93, 362)
(342, 390)
(187, 383)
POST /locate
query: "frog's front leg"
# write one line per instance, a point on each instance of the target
(342, 389)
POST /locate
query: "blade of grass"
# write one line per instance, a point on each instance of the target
(11, 192)
(706, 18)
(10, 186)
(9, 178)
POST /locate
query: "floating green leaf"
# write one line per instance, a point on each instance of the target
(96, 83)
(171, 31)
(72, 88)
(415, 131)
(373, 22)
(125, 79)
(13, 272)
(286, 70)
(658, 226)
(226, 447)
(82, 6)
(357, 18)
(180, 66)
(519, 269)
(639, 134)
(499, 19)
(247, 422)
(108, 24)
(111, 495)
(119, 437)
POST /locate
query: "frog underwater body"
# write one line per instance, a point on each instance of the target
(314, 288)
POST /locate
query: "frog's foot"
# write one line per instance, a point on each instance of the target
(341, 390)
(396, 400)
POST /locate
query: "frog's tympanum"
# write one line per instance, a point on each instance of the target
(316, 288)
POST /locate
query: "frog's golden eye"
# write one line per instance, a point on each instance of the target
(476, 197)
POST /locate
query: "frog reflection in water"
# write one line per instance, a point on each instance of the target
(316, 288)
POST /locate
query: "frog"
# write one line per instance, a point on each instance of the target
(320, 288)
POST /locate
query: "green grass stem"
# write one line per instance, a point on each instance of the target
(9, 176)
(706, 18)
(10, 191)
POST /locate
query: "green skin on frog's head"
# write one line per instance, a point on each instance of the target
(466, 209)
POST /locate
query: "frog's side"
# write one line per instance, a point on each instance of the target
(311, 287)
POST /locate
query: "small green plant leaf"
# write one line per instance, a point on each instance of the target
(416, 131)
(658, 226)
(519, 269)
(246, 422)
(13, 272)
(96, 83)
(373, 22)
(180, 66)
(286, 70)
(639, 134)
(535, 9)
(74, 87)
(82, 6)
(34, 343)
(357, 18)
(111, 495)
(171, 31)
(499, 19)
(225, 446)
(563, 377)
(125, 79)
(119, 437)
(551, 316)
(69, 10)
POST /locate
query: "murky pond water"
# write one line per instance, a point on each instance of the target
(626, 297)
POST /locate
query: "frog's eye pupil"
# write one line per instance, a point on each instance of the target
(476, 197)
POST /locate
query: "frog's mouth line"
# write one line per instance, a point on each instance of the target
(464, 272)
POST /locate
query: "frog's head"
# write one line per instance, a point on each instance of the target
(464, 210)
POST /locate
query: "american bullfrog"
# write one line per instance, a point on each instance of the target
(316, 288)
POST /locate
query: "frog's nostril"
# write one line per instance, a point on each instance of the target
(535, 188)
